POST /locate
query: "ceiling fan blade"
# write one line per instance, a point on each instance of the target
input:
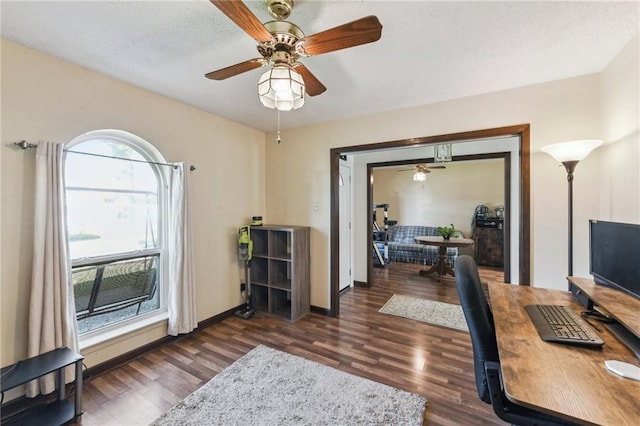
(239, 13)
(236, 69)
(415, 170)
(361, 31)
(312, 85)
(438, 167)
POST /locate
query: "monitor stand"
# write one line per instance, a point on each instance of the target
(629, 339)
(616, 305)
(581, 296)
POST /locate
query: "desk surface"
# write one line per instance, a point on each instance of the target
(567, 381)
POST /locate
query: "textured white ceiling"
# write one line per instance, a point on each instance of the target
(429, 51)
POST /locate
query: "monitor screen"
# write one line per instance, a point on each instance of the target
(614, 255)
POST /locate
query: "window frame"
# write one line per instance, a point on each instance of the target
(150, 154)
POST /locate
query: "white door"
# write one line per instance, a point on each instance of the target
(345, 227)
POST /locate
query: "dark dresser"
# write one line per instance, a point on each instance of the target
(489, 242)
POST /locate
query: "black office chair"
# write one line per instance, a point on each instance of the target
(485, 350)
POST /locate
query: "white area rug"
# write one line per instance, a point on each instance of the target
(439, 313)
(269, 387)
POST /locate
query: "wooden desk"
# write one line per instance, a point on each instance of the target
(566, 381)
(441, 266)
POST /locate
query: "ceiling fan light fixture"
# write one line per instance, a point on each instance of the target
(282, 88)
(420, 176)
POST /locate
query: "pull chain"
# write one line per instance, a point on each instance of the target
(278, 139)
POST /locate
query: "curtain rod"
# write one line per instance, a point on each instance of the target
(26, 145)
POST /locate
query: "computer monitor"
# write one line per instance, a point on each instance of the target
(614, 255)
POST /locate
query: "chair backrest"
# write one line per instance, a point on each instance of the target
(479, 319)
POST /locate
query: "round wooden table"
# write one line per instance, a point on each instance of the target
(441, 267)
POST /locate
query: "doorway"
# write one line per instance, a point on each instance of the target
(499, 175)
(345, 227)
(521, 132)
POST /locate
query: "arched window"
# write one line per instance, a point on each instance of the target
(116, 198)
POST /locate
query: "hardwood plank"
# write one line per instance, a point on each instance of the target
(433, 361)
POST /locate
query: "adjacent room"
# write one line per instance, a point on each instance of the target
(319, 212)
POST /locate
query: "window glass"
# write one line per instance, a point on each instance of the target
(112, 205)
(114, 226)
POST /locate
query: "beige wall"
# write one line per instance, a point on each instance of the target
(298, 169)
(620, 86)
(447, 196)
(555, 111)
(47, 99)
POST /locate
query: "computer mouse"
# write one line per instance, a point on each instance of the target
(623, 369)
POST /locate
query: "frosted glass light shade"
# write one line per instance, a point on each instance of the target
(419, 176)
(282, 88)
(573, 150)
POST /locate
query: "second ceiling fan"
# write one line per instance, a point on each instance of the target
(421, 170)
(281, 44)
(424, 167)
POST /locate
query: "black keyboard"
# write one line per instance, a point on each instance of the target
(561, 324)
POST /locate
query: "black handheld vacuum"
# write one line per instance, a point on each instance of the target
(245, 252)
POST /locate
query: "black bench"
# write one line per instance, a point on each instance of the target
(113, 286)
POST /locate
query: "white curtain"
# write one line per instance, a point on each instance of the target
(52, 321)
(182, 284)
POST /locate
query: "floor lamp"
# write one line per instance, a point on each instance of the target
(570, 154)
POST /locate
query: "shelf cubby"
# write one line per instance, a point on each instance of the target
(259, 270)
(280, 302)
(280, 244)
(259, 237)
(280, 274)
(260, 296)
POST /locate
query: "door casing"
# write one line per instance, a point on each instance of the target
(522, 131)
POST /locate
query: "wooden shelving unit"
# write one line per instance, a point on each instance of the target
(280, 274)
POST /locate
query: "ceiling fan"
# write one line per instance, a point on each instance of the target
(424, 168)
(421, 170)
(282, 43)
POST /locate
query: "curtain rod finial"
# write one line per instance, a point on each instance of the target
(25, 145)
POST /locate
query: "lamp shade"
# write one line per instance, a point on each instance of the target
(572, 150)
(419, 176)
(282, 88)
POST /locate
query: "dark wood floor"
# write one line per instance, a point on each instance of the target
(429, 360)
